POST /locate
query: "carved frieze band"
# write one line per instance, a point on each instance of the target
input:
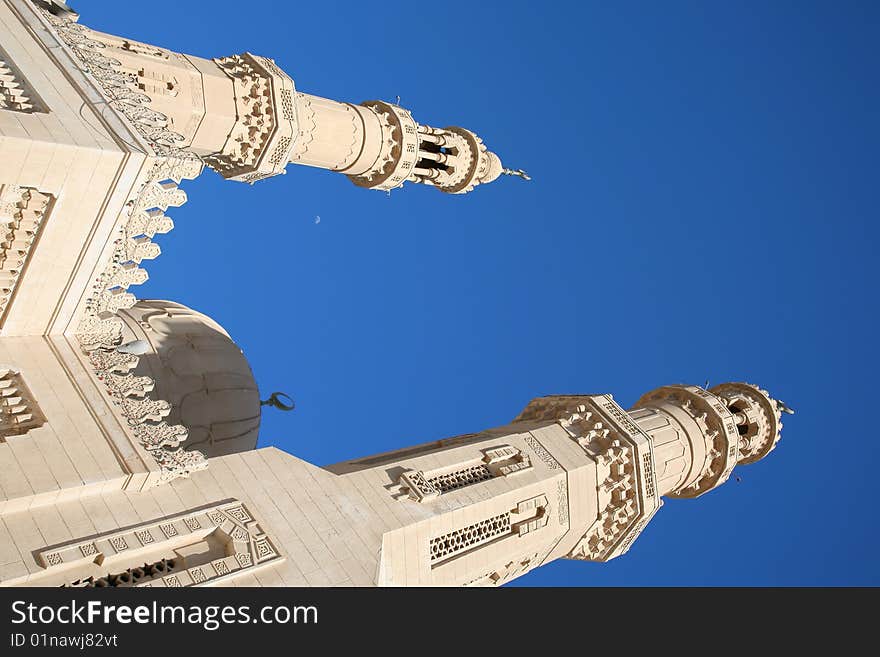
(99, 330)
(627, 487)
(131, 554)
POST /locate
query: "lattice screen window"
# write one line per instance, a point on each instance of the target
(19, 412)
(529, 515)
(129, 577)
(15, 93)
(470, 537)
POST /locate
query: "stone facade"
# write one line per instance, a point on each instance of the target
(128, 429)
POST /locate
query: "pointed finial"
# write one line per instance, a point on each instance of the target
(785, 408)
(280, 400)
(516, 172)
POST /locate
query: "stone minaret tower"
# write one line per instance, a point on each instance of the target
(97, 131)
(128, 428)
(245, 118)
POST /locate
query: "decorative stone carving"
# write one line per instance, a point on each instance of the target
(241, 540)
(121, 87)
(529, 515)
(757, 416)
(396, 158)
(542, 453)
(627, 487)
(469, 537)
(718, 427)
(99, 331)
(19, 411)
(261, 140)
(562, 501)
(504, 461)
(449, 481)
(23, 213)
(15, 92)
(414, 483)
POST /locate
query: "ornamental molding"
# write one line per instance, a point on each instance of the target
(719, 430)
(15, 93)
(156, 554)
(626, 484)
(99, 331)
(19, 411)
(262, 139)
(528, 516)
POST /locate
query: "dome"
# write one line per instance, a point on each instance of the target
(493, 168)
(200, 371)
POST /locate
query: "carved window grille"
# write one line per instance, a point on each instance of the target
(280, 151)
(19, 412)
(460, 478)
(470, 537)
(15, 92)
(528, 516)
(500, 461)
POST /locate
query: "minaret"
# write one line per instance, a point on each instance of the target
(572, 477)
(245, 118)
(575, 477)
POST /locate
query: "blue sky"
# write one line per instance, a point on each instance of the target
(704, 206)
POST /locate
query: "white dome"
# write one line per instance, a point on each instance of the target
(200, 371)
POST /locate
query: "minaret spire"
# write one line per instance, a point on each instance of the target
(243, 116)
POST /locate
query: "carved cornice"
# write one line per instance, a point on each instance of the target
(398, 154)
(625, 478)
(717, 425)
(263, 136)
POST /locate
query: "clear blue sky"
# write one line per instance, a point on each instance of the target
(704, 206)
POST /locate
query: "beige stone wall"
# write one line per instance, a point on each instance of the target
(71, 455)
